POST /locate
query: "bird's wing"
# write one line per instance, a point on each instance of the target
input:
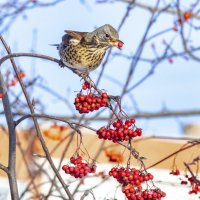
(76, 35)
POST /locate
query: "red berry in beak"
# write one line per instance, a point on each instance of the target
(120, 44)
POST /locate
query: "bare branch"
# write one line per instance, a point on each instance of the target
(5, 169)
(157, 9)
(12, 142)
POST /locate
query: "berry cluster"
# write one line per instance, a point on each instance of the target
(90, 102)
(79, 168)
(131, 180)
(175, 172)
(186, 16)
(131, 176)
(187, 180)
(137, 194)
(120, 131)
(86, 85)
(191, 180)
(195, 189)
(14, 81)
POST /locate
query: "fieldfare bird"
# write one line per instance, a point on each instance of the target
(84, 51)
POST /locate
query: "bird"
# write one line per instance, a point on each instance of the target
(83, 52)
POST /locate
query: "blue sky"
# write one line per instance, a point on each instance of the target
(172, 86)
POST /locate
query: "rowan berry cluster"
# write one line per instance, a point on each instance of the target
(14, 81)
(121, 131)
(131, 176)
(78, 169)
(185, 17)
(195, 189)
(190, 179)
(187, 180)
(137, 194)
(90, 102)
(86, 85)
(131, 180)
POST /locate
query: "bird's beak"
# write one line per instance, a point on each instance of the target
(117, 43)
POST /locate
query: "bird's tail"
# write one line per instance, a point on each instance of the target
(55, 45)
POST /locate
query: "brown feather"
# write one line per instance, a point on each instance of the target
(76, 34)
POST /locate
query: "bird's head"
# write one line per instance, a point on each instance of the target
(105, 35)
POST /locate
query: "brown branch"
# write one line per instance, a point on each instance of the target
(5, 169)
(12, 55)
(192, 174)
(157, 9)
(54, 118)
(142, 115)
(173, 154)
(11, 170)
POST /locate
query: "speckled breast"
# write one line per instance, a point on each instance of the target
(83, 58)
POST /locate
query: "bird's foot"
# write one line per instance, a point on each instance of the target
(61, 64)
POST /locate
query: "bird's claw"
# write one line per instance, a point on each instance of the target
(61, 64)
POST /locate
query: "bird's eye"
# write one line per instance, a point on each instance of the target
(107, 35)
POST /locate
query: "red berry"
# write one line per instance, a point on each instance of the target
(170, 60)
(184, 182)
(81, 98)
(77, 100)
(163, 194)
(64, 167)
(84, 87)
(104, 95)
(138, 131)
(13, 82)
(175, 29)
(150, 176)
(22, 74)
(120, 44)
